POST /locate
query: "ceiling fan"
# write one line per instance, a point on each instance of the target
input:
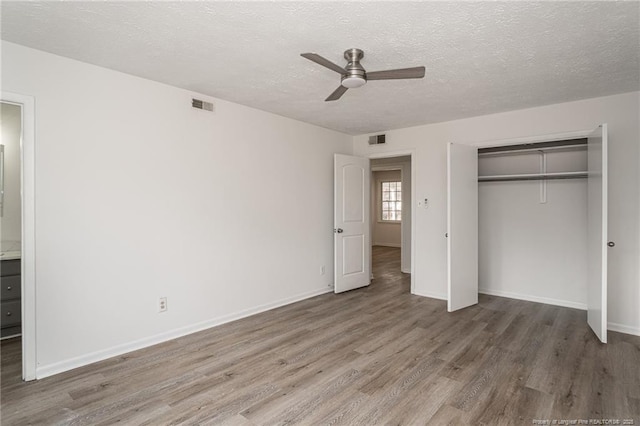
(354, 75)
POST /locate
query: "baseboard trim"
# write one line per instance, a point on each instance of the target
(529, 298)
(387, 245)
(431, 295)
(43, 371)
(405, 271)
(621, 328)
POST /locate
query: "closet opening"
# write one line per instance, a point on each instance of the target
(532, 222)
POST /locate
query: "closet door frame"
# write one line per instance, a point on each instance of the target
(580, 134)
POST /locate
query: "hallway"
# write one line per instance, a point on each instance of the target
(386, 269)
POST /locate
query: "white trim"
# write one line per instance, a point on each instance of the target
(69, 364)
(388, 245)
(432, 295)
(537, 299)
(411, 153)
(621, 328)
(405, 271)
(27, 189)
(414, 222)
(391, 154)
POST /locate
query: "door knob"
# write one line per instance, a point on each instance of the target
(338, 231)
(611, 244)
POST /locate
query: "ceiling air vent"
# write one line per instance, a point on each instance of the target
(376, 139)
(199, 104)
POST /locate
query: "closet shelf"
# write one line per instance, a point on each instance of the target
(534, 150)
(566, 145)
(534, 176)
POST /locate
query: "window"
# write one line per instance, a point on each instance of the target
(391, 201)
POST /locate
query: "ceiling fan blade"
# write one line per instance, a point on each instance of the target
(324, 62)
(336, 94)
(415, 72)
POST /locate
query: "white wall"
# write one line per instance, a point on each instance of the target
(11, 221)
(139, 196)
(621, 112)
(384, 233)
(528, 248)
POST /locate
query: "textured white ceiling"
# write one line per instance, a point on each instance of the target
(480, 57)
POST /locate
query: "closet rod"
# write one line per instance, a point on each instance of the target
(534, 150)
(533, 176)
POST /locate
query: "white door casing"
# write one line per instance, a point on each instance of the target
(462, 226)
(352, 233)
(597, 232)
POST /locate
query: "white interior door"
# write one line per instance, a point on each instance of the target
(597, 232)
(462, 226)
(352, 237)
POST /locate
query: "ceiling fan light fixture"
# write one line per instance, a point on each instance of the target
(353, 81)
(354, 74)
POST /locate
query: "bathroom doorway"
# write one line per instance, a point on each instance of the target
(17, 224)
(10, 221)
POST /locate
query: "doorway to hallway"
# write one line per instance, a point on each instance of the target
(386, 270)
(391, 219)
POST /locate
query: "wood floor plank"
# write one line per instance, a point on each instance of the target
(453, 344)
(376, 355)
(486, 377)
(415, 409)
(305, 402)
(470, 357)
(447, 416)
(509, 400)
(406, 385)
(339, 409)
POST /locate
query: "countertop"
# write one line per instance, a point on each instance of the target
(10, 250)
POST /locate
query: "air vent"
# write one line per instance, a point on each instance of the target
(376, 139)
(199, 104)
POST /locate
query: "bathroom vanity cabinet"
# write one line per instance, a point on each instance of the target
(10, 299)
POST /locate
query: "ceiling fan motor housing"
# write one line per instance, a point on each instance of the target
(356, 75)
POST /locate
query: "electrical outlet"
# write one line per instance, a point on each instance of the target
(322, 270)
(162, 304)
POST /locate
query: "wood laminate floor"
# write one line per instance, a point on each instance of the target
(371, 356)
